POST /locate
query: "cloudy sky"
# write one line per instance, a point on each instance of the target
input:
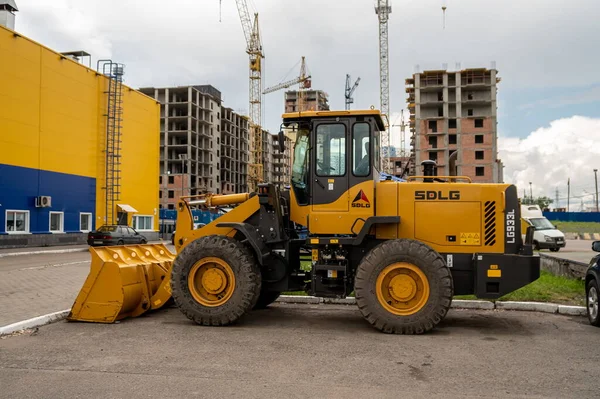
(546, 52)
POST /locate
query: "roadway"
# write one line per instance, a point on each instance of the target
(578, 250)
(306, 351)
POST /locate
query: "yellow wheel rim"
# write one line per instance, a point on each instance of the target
(402, 289)
(211, 281)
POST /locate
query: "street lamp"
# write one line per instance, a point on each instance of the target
(596, 178)
(530, 194)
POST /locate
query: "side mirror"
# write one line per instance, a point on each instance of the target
(281, 138)
(596, 246)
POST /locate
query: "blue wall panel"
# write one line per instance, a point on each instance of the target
(573, 216)
(70, 194)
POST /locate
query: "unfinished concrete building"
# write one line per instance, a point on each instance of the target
(282, 162)
(453, 122)
(203, 145)
(312, 100)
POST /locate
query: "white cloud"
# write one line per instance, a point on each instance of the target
(549, 156)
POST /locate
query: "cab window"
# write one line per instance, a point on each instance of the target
(331, 150)
(300, 167)
(361, 155)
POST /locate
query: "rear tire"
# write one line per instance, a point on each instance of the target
(266, 298)
(120, 242)
(403, 287)
(215, 280)
(554, 249)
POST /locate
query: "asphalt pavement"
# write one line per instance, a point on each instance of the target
(306, 351)
(578, 250)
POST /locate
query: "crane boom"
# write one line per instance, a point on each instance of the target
(284, 85)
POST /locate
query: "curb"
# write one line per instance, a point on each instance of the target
(35, 322)
(542, 307)
(51, 251)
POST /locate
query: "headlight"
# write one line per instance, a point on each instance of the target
(548, 239)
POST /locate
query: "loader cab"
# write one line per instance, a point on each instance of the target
(335, 162)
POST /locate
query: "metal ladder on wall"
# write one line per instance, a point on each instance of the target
(112, 151)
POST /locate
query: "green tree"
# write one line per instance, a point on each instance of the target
(543, 202)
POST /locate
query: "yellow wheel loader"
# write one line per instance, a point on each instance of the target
(403, 248)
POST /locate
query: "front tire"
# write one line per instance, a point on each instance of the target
(403, 287)
(215, 281)
(592, 294)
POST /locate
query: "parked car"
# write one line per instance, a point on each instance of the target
(592, 287)
(115, 235)
(196, 226)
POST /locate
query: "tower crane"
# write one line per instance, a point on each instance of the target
(303, 79)
(383, 10)
(255, 53)
(350, 91)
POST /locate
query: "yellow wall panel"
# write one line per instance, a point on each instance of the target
(19, 101)
(52, 118)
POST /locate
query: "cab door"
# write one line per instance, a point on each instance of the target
(329, 176)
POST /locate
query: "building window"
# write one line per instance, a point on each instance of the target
(17, 221)
(479, 139)
(57, 222)
(470, 112)
(478, 122)
(452, 139)
(85, 221)
(478, 154)
(159, 179)
(433, 141)
(171, 206)
(171, 194)
(433, 126)
(171, 179)
(433, 156)
(479, 171)
(143, 222)
(160, 194)
(452, 124)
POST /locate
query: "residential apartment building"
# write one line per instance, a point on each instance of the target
(282, 162)
(312, 100)
(204, 146)
(453, 119)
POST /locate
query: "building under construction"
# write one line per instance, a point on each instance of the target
(453, 122)
(309, 100)
(204, 146)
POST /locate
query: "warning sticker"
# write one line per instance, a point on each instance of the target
(470, 239)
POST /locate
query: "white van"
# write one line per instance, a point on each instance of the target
(546, 235)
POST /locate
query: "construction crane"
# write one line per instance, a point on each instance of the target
(304, 79)
(350, 91)
(255, 52)
(383, 10)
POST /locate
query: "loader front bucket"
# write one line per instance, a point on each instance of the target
(124, 281)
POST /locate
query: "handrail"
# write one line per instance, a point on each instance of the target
(450, 178)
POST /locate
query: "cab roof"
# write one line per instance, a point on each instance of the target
(295, 116)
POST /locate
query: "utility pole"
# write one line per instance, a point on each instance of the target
(568, 193)
(530, 193)
(596, 178)
(556, 197)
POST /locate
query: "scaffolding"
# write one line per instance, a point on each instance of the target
(114, 117)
